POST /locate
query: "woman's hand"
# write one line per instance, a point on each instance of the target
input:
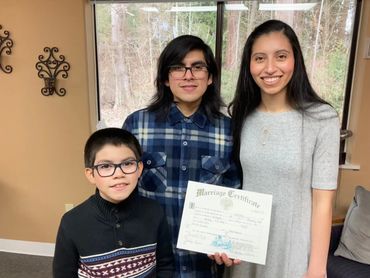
(223, 259)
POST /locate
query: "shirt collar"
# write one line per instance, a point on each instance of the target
(199, 117)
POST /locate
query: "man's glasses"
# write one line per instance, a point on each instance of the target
(108, 169)
(198, 71)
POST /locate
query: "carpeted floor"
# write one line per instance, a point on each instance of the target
(24, 266)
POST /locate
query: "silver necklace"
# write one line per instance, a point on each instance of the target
(265, 135)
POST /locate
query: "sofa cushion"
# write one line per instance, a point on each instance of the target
(339, 267)
(354, 243)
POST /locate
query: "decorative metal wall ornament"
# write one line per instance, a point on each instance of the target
(49, 68)
(5, 45)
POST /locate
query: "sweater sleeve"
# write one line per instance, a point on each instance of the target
(65, 263)
(326, 155)
(165, 260)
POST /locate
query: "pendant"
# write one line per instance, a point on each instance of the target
(265, 135)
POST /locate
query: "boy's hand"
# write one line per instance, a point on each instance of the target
(224, 259)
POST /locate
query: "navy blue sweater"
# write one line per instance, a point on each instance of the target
(101, 239)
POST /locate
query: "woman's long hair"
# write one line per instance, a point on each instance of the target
(247, 98)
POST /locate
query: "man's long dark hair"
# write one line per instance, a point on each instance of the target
(173, 54)
(300, 93)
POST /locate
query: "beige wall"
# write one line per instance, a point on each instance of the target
(359, 144)
(42, 138)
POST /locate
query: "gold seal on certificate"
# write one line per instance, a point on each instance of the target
(225, 220)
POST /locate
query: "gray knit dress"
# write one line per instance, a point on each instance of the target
(287, 155)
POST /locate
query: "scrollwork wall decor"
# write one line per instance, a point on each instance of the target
(5, 46)
(49, 68)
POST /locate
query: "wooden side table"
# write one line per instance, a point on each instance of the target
(338, 219)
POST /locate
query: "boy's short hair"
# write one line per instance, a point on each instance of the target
(109, 136)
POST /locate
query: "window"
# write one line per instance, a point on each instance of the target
(130, 38)
(324, 29)
(131, 35)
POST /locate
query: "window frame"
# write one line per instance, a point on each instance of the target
(345, 132)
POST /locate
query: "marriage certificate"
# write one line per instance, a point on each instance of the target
(225, 220)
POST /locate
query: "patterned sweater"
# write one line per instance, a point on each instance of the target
(101, 239)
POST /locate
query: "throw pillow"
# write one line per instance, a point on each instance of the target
(355, 239)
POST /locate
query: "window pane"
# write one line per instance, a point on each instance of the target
(130, 38)
(324, 29)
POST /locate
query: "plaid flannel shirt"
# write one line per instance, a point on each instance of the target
(175, 151)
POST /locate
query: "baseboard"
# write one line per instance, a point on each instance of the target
(27, 247)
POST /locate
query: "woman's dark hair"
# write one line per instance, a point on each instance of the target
(109, 136)
(173, 54)
(247, 98)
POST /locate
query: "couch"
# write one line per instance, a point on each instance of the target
(340, 267)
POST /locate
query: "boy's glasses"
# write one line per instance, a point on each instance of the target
(198, 71)
(108, 169)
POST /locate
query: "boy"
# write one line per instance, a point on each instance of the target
(114, 233)
(184, 137)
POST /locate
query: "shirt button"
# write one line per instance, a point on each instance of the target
(185, 143)
(120, 243)
(118, 225)
(183, 167)
(149, 162)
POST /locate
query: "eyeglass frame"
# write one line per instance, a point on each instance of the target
(116, 165)
(170, 70)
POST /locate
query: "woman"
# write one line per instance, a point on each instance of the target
(287, 139)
